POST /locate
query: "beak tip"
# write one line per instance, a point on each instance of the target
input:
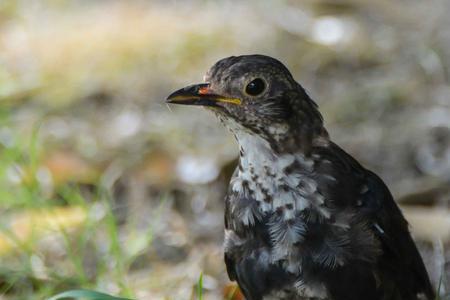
(185, 95)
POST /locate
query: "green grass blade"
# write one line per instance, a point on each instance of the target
(200, 287)
(85, 294)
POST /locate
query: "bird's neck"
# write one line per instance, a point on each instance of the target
(278, 139)
(272, 178)
(256, 152)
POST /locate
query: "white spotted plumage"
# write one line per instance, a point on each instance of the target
(264, 173)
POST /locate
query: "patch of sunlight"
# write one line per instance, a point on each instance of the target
(428, 224)
(30, 225)
(331, 30)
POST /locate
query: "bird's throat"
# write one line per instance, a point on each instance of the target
(276, 181)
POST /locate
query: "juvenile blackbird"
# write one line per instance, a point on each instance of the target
(303, 219)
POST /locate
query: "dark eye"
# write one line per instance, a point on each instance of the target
(255, 87)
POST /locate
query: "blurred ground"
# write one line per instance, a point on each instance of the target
(103, 186)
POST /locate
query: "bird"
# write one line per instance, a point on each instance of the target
(304, 220)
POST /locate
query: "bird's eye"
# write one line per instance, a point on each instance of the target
(255, 87)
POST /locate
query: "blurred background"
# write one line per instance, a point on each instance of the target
(103, 186)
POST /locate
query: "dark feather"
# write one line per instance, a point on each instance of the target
(400, 262)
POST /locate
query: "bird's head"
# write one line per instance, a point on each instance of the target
(256, 95)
